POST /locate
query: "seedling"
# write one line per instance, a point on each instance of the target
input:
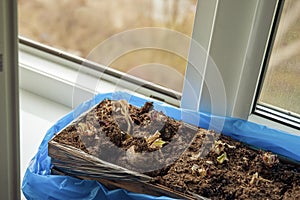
(219, 147)
(154, 141)
(126, 135)
(123, 107)
(269, 159)
(194, 168)
(157, 144)
(209, 162)
(222, 158)
(202, 172)
(199, 171)
(153, 137)
(256, 178)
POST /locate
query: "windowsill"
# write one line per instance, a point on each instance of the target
(266, 122)
(37, 115)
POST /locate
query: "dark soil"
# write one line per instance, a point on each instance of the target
(180, 156)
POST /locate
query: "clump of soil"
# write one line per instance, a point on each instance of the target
(182, 157)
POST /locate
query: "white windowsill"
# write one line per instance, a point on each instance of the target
(37, 115)
(266, 122)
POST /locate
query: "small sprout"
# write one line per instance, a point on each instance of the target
(245, 160)
(218, 147)
(230, 146)
(153, 137)
(194, 168)
(154, 141)
(157, 144)
(202, 172)
(126, 135)
(222, 158)
(82, 126)
(256, 178)
(122, 106)
(195, 157)
(199, 171)
(209, 162)
(269, 159)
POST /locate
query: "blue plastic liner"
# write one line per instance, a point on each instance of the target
(38, 183)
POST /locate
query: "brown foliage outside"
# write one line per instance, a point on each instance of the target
(78, 26)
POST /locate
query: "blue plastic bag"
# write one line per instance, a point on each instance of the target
(38, 183)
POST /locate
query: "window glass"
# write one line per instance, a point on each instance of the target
(81, 26)
(281, 87)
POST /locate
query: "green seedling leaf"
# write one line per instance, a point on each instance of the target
(153, 138)
(157, 144)
(222, 158)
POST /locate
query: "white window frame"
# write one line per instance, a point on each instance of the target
(9, 104)
(243, 42)
(237, 48)
(240, 53)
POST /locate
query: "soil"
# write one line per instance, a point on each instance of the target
(182, 157)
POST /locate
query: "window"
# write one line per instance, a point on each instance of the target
(90, 29)
(233, 36)
(280, 92)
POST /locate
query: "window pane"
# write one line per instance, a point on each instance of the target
(80, 26)
(281, 87)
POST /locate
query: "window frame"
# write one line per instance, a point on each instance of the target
(241, 67)
(9, 103)
(263, 20)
